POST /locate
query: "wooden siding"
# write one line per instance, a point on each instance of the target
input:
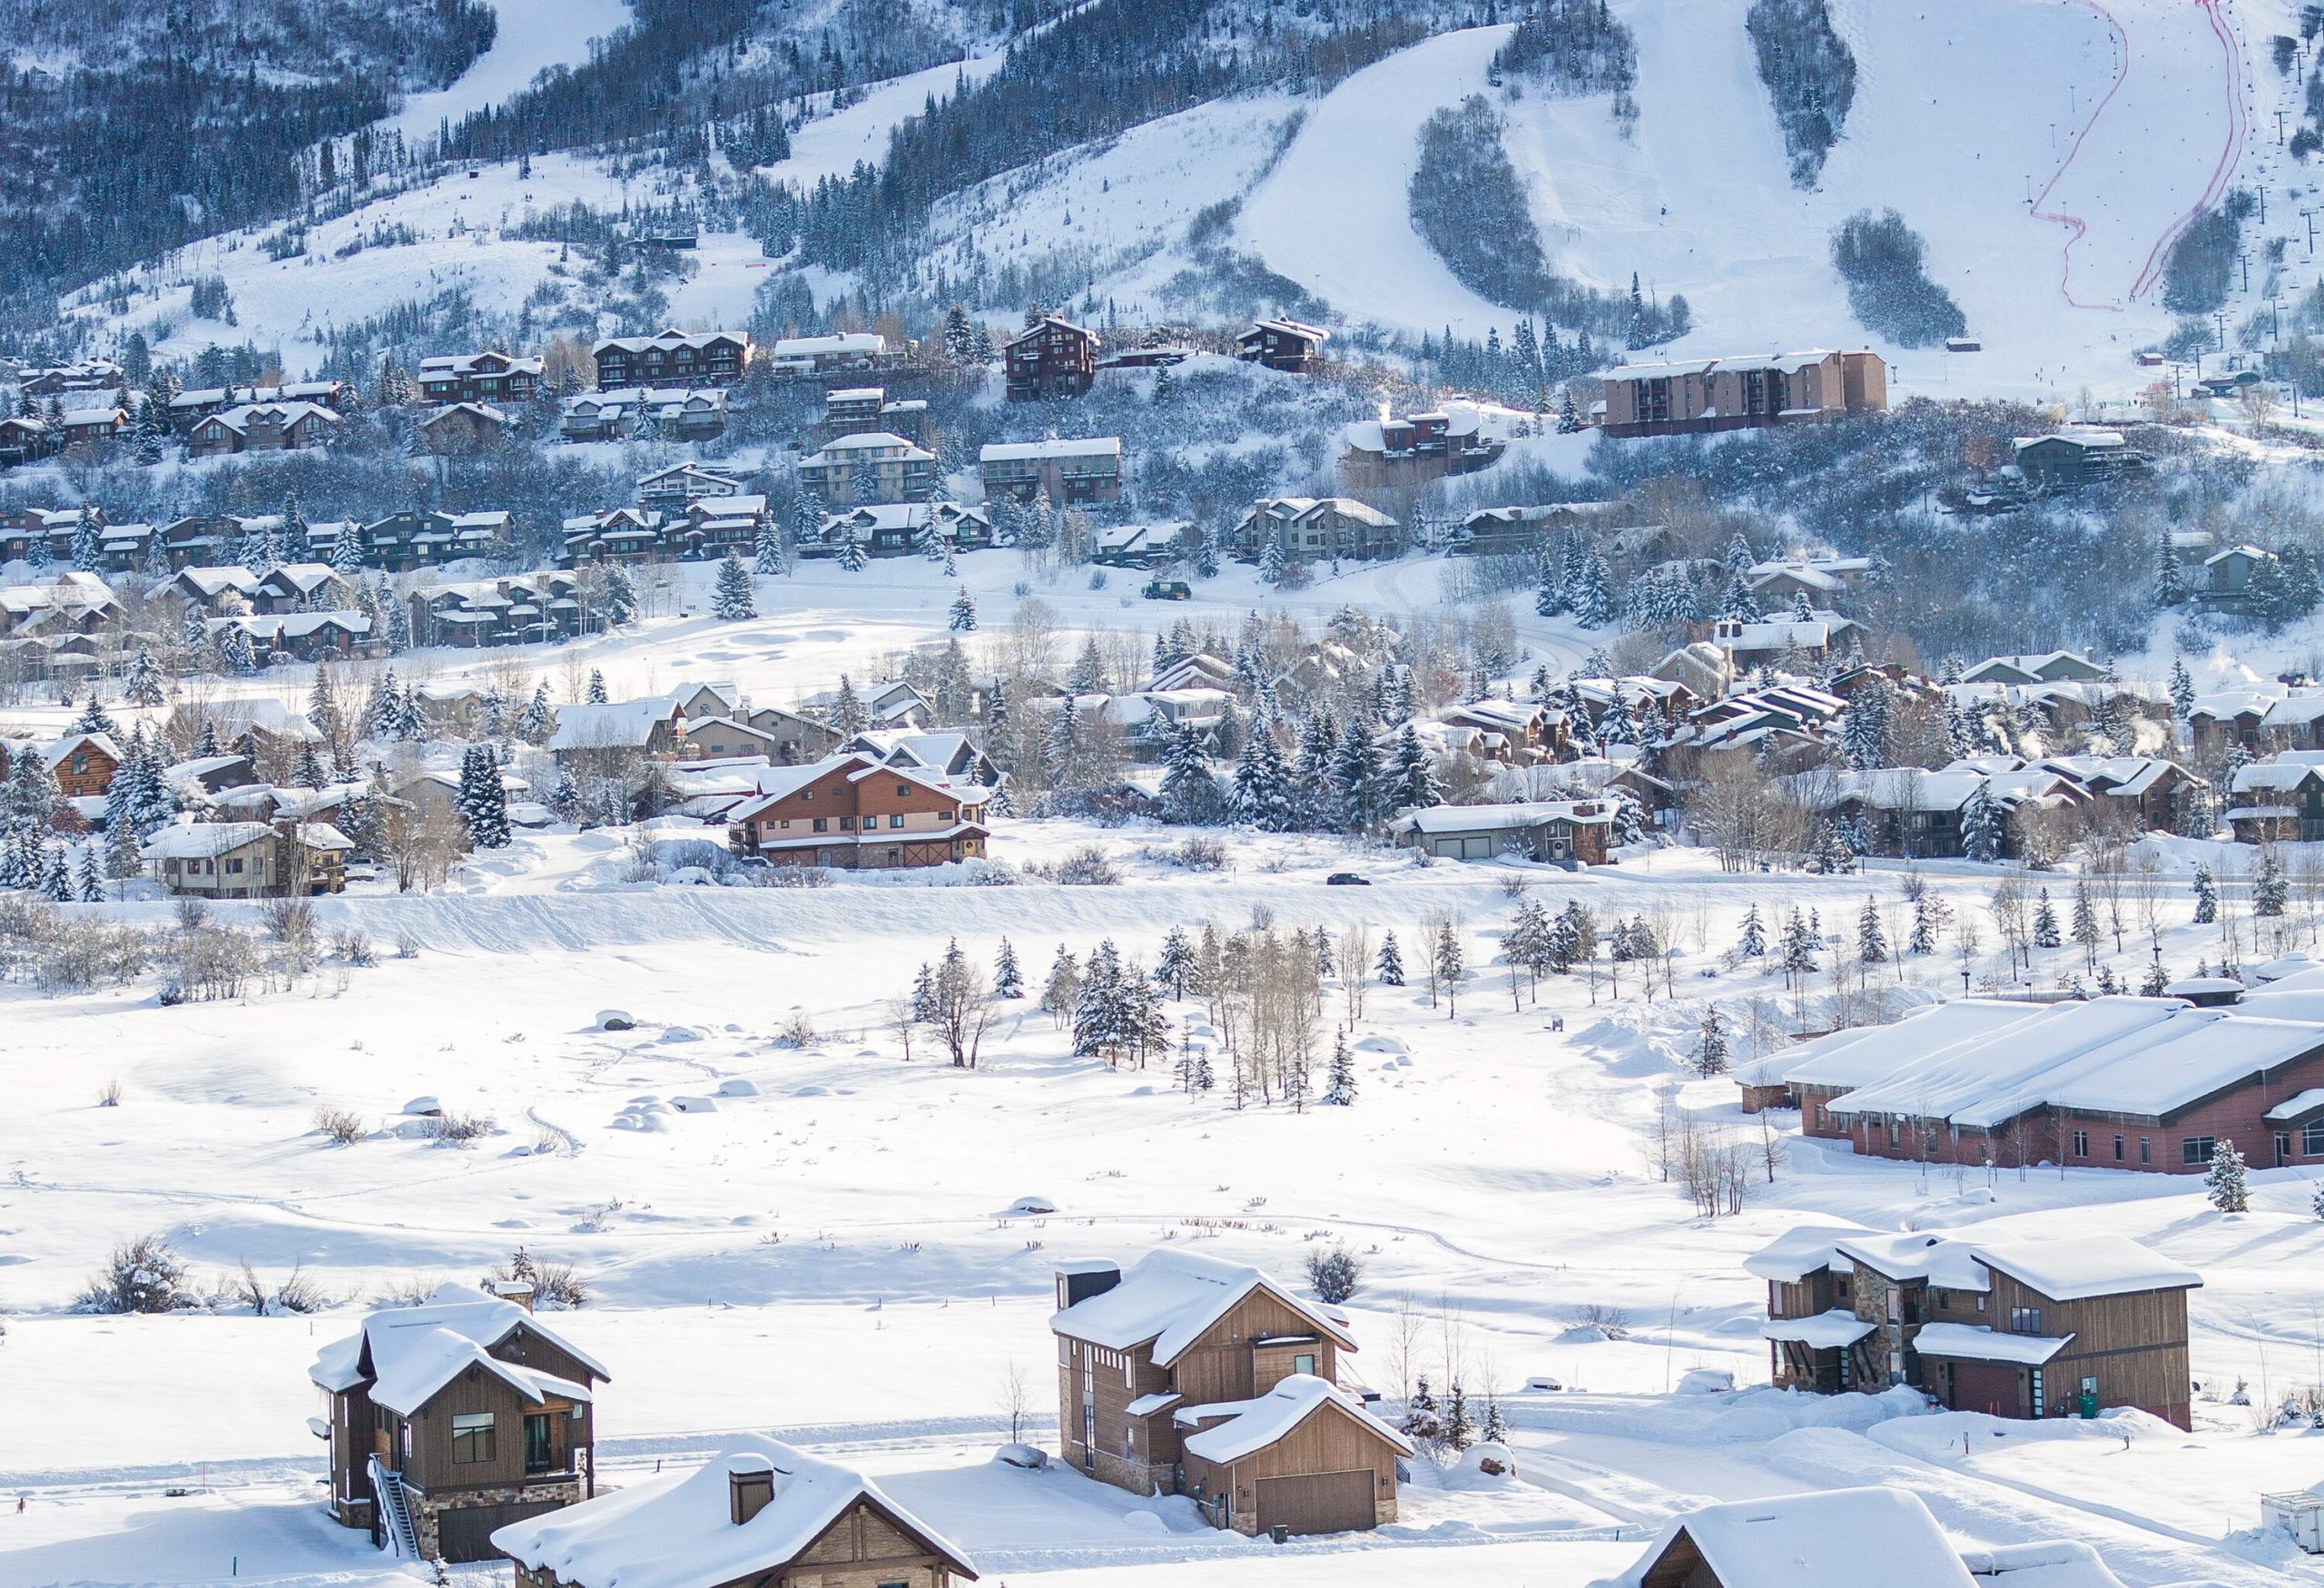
(1329, 1440)
(2134, 1345)
(1220, 1364)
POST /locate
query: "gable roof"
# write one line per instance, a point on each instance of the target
(616, 724)
(1834, 1535)
(416, 1350)
(1172, 1299)
(677, 1529)
(1253, 1424)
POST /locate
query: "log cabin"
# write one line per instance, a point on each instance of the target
(1187, 1375)
(758, 1515)
(453, 1418)
(2009, 1326)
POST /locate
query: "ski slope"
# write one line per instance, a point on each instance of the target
(2049, 151)
(534, 36)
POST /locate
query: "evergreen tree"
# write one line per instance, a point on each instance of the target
(347, 550)
(88, 882)
(1340, 1089)
(1710, 1044)
(1800, 945)
(2156, 982)
(144, 685)
(1412, 777)
(734, 600)
(766, 548)
(2206, 895)
(1495, 1430)
(1391, 963)
(2045, 922)
(55, 874)
(1189, 789)
(849, 716)
(1460, 1432)
(481, 800)
(964, 612)
(1981, 827)
(2182, 690)
(1450, 962)
(806, 518)
(2270, 889)
(852, 554)
(2169, 579)
(1923, 940)
(597, 695)
(94, 719)
(537, 721)
(88, 541)
(1753, 944)
(620, 598)
(1174, 967)
(1422, 1423)
(2226, 1185)
(1263, 794)
(1871, 943)
(1592, 596)
(235, 651)
(1008, 980)
(2085, 924)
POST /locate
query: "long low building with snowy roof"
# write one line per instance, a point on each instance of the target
(1980, 1320)
(1699, 396)
(2117, 1082)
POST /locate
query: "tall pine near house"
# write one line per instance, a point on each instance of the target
(482, 800)
(963, 619)
(1711, 1044)
(2226, 1185)
(2206, 896)
(1871, 943)
(1390, 962)
(734, 600)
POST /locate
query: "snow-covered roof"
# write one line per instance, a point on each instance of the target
(1977, 1343)
(619, 725)
(880, 442)
(102, 743)
(677, 1529)
(1726, 361)
(2062, 1269)
(838, 344)
(1508, 818)
(2059, 1563)
(1252, 1425)
(2078, 1266)
(2295, 1106)
(1171, 1297)
(1989, 1082)
(2087, 436)
(403, 1345)
(1829, 1535)
(669, 341)
(1852, 1056)
(1822, 1331)
(1050, 451)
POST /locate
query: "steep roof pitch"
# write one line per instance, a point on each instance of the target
(1172, 1299)
(677, 1529)
(1834, 1535)
(1252, 1425)
(400, 1343)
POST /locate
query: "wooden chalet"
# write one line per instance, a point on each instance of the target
(450, 1419)
(677, 413)
(1192, 1376)
(789, 737)
(2280, 801)
(592, 737)
(464, 428)
(894, 528)
(249, 859)
(850, 410)
(1831, 1536)
(853, 812)
(866, 468)
(86, 427)
(672, 490)
(1289, 345)
(2009, 1326)
(1053, 359)
(1305, 529)
(1074, 470)
(1418, 448)
(83, 764)
(2075, 456)
(757, 1515)
(24, 439)
(492, 376)
(673, 358)
(269, 426)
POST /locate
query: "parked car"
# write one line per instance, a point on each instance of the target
(1346, 880)
(1168, 590)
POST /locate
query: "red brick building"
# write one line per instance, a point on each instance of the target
(1053, 359)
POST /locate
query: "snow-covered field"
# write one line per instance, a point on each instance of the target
(784, 1260)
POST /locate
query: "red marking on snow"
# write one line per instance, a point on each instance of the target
(2225, 166)
(2221, 170)
(2074, 225)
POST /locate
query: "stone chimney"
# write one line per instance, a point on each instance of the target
(749, 1487)
(520, 1291)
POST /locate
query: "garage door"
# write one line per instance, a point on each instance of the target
(1323, 1501)
(465, 1534)
(1476, 849)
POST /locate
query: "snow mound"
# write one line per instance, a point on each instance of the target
(1707, 1381)
(695, 1105)
(423, 1107)
(1028, 1206)
(681, 1034)
(1031, 1457)
(738, 1088)
(615, 1019)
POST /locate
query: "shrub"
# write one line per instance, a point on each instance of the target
(109, 1095)
(143, 1275)
(1087, 867)
(1335, 1275)
(1203, 855)
(343, 1126)
(455, 1129)
(354, 948)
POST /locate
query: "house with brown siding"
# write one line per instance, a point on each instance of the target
(2009, 1326)
(758, 1515)
(1053, 359)
(673, 358)
(82, 764)
(450, 1419)
(464, 428)
(852, 812)
(1289, 345)
(491, 376)
(1187, 1375)
(1845, 1535)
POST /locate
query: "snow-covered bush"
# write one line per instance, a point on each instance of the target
(342, 1125)
(1335, 1275)
(146, 1276)
(452, 1129)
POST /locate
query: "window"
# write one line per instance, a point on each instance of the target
(471, 1436)
(2025, 1320)
(1304, 1363)
(539, 1450)
(847, 823)
(2082, 1144)
(904, 791)
(2283, 1145)
(2038, 1408)
(2118, 1149)
(233, 867)
(2146, 1150)
(2312, 1137)
(821, 823)
(2198, 1149)
(895, 820)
